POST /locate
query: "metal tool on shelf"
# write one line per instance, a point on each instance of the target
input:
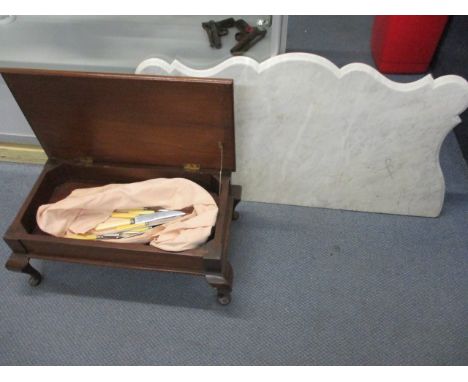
(217, 29)
(246, 38)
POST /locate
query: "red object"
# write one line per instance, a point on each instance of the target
(405, 44)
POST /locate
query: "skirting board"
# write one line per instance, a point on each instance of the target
(11, 152)
(309, 133)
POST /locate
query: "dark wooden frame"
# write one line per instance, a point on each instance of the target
(209, 260)
(60, 176)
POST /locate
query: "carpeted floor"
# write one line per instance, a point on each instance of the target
(312, 286)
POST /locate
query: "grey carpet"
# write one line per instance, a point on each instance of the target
(340, 39)
(312, 286)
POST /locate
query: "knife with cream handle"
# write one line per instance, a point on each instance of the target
(154, 218)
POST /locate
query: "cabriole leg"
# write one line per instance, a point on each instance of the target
(223, 284)
(20, 263)
(236, 196)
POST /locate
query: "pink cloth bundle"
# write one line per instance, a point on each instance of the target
(85, 208)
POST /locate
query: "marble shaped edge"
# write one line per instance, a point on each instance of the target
(301, 57)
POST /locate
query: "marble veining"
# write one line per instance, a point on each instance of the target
(311, 134)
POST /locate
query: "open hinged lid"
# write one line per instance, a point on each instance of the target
(125, 118)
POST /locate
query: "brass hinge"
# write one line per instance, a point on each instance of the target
(191, 167)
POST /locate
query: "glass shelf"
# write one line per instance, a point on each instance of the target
(120, 43)
(112, 44)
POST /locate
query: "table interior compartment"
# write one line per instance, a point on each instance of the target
(61, 180)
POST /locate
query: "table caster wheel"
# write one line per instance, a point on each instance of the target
(224, 297)
(35, 280)
(235, 215)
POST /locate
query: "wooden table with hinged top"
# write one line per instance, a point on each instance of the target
(101, 128)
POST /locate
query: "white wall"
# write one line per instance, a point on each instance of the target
(13, 125)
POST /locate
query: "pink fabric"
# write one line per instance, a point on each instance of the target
(85, 208)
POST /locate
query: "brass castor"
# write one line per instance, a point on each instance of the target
(35, 280)
(224, 296)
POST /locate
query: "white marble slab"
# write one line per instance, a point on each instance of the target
(309, 133)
